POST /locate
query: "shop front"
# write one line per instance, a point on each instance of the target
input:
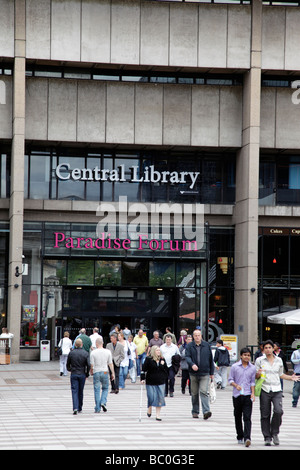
(279, 281)
(67, 288)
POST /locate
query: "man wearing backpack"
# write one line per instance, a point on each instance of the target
(222, 361)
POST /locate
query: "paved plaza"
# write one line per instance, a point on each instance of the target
(36, 414)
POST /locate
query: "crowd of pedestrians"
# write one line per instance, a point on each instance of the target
(158, 361)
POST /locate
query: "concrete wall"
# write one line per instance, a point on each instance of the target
(280, 119)
(7, 34)
(152, 33)
(139, 32)
(133, 113)
(280, 38)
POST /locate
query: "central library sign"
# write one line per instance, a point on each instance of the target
(148, 175)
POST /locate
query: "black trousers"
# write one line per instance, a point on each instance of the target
(170, 382)
(185, 377)
(242, 412)
(270, 423)
(115, 383)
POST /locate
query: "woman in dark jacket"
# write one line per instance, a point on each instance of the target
(155, 370)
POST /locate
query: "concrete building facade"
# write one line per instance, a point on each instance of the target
(136, 86)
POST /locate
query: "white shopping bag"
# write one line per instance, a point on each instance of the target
(212, 392)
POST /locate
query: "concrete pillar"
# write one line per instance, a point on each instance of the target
(17, 183)
(246, 210)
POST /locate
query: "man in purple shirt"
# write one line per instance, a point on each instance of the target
(242, 378)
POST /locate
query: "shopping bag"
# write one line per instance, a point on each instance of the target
(212, 392)
(258, 385)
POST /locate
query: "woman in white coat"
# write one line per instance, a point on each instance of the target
(66, 345)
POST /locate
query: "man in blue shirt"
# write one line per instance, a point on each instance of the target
(295, 359)
(242, 379)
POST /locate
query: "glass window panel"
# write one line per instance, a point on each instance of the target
(185, 274)
(161, 303)
(26, 176)
(74, 75)
(55, 272)
(295, 265)
(134, 302)
(32, 241)
(135, 273)
(70, 189)
(108, 273)
(132, 78)
(211, 181)
(107, 188)
(81, 272)
(186, 80)
(162, 80)
(47, 74)
(106, 77)
(275, 262)
(129, 188)
(187, 310)
(162, 274)
(93, 187)
(267, 182)
(39, 178)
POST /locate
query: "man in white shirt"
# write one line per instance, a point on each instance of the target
(168, 350)
(271, 367)
(101, 360)
(6, 335)
(94, 336)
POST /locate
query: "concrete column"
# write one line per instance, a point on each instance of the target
(17, 183)
(246, 210)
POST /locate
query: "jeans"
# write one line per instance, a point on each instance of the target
(221, 376)
(122, 376)
(200, 384)
(132, 372)
(242, 411)
(100, 379)
(139, 363)
(296, 393)
(77, 386)
(270, 426)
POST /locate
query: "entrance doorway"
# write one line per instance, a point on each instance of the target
(147, 308)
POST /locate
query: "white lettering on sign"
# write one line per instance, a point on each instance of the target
(149, 175)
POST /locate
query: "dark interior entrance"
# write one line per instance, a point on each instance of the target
(145, 308)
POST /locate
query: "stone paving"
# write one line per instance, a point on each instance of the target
(36, 414)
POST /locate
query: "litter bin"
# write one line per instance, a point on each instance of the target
(45, 350)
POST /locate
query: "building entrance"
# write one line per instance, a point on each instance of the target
(149, 309)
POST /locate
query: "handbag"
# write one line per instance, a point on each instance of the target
(258, 385)
(212, 392)
(59, 349)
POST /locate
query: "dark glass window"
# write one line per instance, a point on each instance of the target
(162, 274)
(279, 180)
(4, 175)
(145, 176)
(135, 273)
